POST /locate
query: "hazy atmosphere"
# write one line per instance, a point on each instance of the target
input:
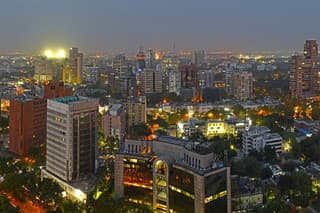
(112, 25)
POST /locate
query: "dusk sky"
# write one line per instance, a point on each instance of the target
(114, 25)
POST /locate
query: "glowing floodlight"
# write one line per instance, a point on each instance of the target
(48, 53)
(61, 54)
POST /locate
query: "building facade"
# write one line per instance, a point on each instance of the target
(258, 137)
(28, 116)
(72, 137)
(56, 90)
(172, 175)
(174, 82)
(189, 76)
(198, 57)
(72, 72)
(114, 122)
(152, 81)
(205, 78)
(120, 66)
(136, 113)
(240, 85)
(27, 124)
(304, 77)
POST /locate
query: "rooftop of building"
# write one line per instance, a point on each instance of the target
(214, 166)
(258, 129)
(273, 136)
(303, 120)
(25, 97)
(172, 140)
(72, 99)
(115, 107)
(67, 100)
(203, 148)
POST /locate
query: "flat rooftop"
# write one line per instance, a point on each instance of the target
(67, 100)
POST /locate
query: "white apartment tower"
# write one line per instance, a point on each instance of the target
(72, 137)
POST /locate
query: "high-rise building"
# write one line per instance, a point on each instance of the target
(198, 57)
(172, 175)
(114, 122)
(136, 113)
(240, 84)
(72, 72)
(152, 81)
(304, 72)
(174, 82)
(170, 62)
(296, 75)
(140, 57)
(27, 123)
(150, 59)
(188, 76)
(120, 66)
(72, 137)
(71, 151)
(205, 78)
(27, 120)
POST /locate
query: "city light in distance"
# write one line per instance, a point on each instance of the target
(58, 54)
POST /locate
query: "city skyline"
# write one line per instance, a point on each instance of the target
(116, 26)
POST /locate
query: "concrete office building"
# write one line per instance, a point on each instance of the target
(151, 81)
(172, 175)
(72, 143)
(240, 85)
(120, 66)
(174, 82)
(205, 78)
(114, 122)
(198, 57)
(258, 137)
(136, 112)
(72, 72)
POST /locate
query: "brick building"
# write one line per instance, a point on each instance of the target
(28, 117)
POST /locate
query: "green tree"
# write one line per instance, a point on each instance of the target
(248, 166)
(5, 205)
(275, 205)
(139, 131)
(50, 192)
(197, 136)
(13, 184)
(239, 111)
(69, 206)
(109, 145)
(266, 173)
(302, 188)
(270, 154)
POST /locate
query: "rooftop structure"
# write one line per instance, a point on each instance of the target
(178, 174)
